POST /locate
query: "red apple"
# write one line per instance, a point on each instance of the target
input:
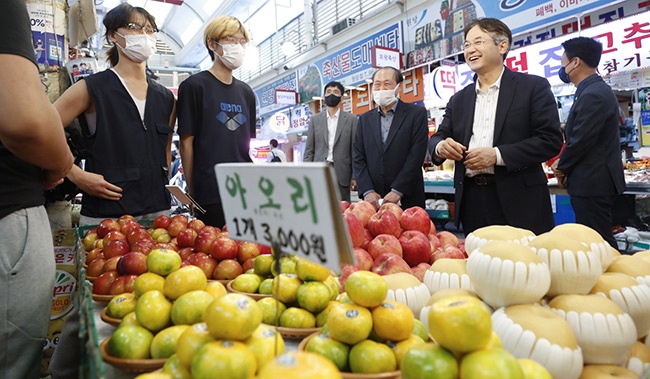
(196, 224)
(227, 269)
(114, 235)
(434, 242)
(137, 235)
(447, 238)
(432, 228)
(180, 218)
(144, 246)
(346, 271)
(186, 252)
(123, 284)
(224, 248)
(343, 204)
(447, 251)
(384, 222)
(461, 246)
(264, 249)
(106, 226)
(416, 247)
(367, 238)
(161, 221)
(111, 264)
(168, 246)
(248, 264)
(362, 211)
(175, 228)
(94, 254)
(364, 259)
(203, 242)
(222, 233)
(89, 241)
(396, 209)
(96, 267)
(210, 229)
(224, 228)
(124, 218)
(102, 285)
(390, 264)
(116, 248)
(384, 244)
(416, 218)
(133, 262)
(203, 261)
(355, 229)
(129, 226)
(419, 270)
(186, 237)
(247, 250)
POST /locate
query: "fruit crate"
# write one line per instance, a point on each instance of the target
(92, 365)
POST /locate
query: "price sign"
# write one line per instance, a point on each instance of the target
(296, 207)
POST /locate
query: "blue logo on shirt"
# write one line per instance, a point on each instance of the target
(231, 122)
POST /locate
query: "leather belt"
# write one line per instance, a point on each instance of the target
(481, 179)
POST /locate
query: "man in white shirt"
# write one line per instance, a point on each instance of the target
(330, 137)
(275, 153)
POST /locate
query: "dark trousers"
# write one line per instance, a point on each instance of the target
(596, 213)
(213, 215)
(480, 204)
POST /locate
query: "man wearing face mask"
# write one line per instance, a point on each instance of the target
(390, 146)
(216, 116)
(590, 165)
(330, 137)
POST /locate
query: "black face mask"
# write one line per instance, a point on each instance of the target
(332, 100)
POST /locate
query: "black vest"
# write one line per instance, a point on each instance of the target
(128, 152)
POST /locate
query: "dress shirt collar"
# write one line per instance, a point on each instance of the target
(391, 108)
(336, 115)
(496, 84)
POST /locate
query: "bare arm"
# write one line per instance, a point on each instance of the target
(29, 126)
(187, 158)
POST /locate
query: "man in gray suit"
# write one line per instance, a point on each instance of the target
(330, 138)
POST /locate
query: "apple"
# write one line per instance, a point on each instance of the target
(461, 246)
(181, 218)
(116, 248)
(264, 249)
(346, 271)
(434, 242)
(384, 222)
(124, 218)
(137, 235)
(114, 235)
(248, 264)
(133, 262)
(203, 242)
(367, 238)
(364, 259)
(396, 209)
(210, 229)
(161, 221)
(96, 267)
(247, 250)
(447, 238)
(99, 243)
(129, 226)
(167, 246)
(186, 237)
(355, 230)
(432, 228)
(447, 251)
(186, 252)
(196, 224)
(111, 264)
(222, 234)
(224, 228)
(362, 212)
(123, 284)
(163, 261)
(384, 244)
(386, 264)
(144, 246)
(106, 226)
(161, 235)
(416, 247)
(343, 204)
(416, 218)
(227, 269)
(203, 261)
(89, 241)
(419, 270)
(175, 228)
(224, 248)
(102, 285)
(94, 254)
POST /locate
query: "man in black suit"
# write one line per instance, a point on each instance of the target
(499, 130)
(590, 165)
(390, 146)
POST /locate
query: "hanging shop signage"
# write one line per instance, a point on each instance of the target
(439, 86)
(279, 123)
(48, 20)
(286, 97)
(300, 116)
(385, 57)
(266, 96)
(436, 30)
(349, 66)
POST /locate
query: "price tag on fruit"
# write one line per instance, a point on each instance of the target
(296, 207)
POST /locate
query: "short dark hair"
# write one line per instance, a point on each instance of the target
(273, 142)
(585, 48)
(496, 28)
(334, 84)
(117, 18)
(396, 73)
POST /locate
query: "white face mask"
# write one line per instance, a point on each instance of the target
(139, 47)
(385, 97)
(233, 55)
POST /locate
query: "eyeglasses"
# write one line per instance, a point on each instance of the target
(132, 26)
(232, 40)
(477, 44)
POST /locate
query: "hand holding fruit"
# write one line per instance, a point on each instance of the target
(392, 197)
(373, 198)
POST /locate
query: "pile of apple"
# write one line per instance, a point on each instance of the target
(392, 240)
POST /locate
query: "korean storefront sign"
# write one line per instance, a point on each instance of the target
(350, 66)
(296, 207)
(266, 96)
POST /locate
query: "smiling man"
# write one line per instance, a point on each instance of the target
(499, 130)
